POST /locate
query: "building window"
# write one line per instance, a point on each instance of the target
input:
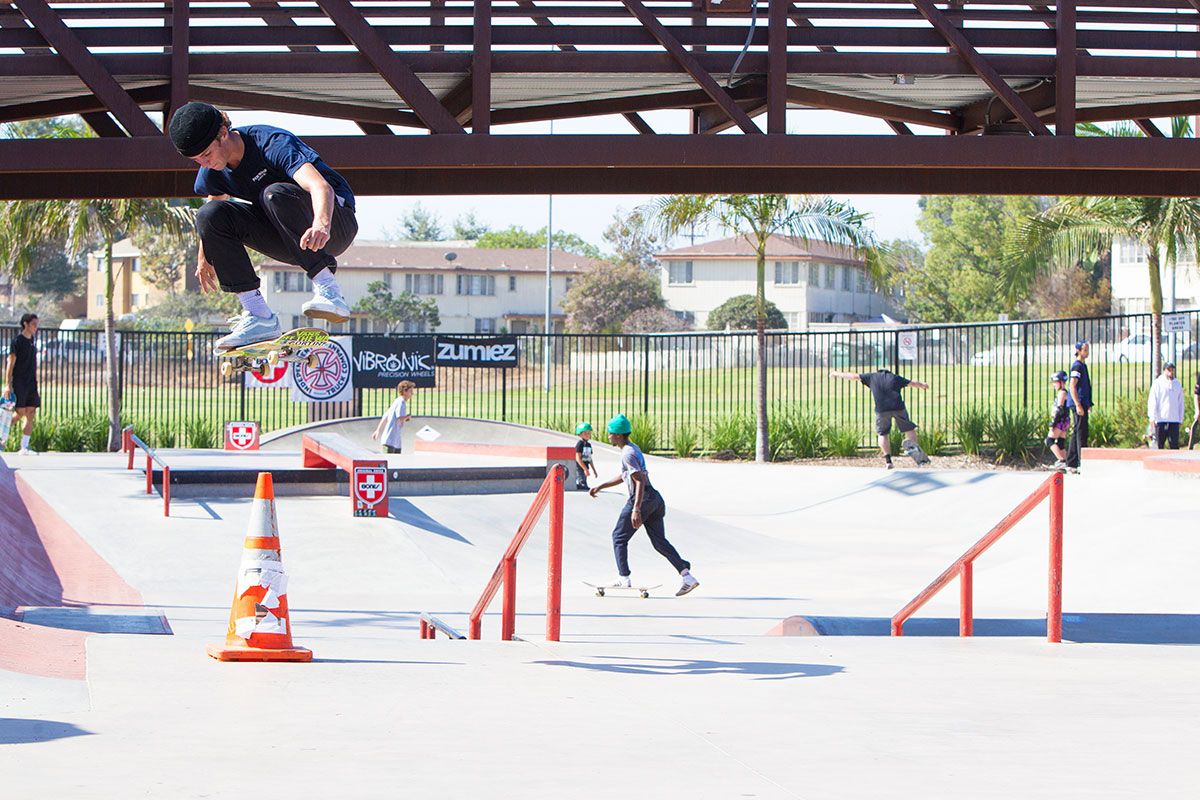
(864, 285)
(387, 279)
(424, 284)
(787, 272)
(512, 283)
(136, 265)
(299, 321)
(133, 300)
(413, 326)
(814, 275)
(846, 279)
(476, 284)
(99, 299)
(518, 326)
(830, 276)
(679, 273)
(291, 281)
(485, 326)
(567, 281)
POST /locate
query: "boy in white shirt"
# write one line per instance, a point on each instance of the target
(392, 422)
(1165, 406)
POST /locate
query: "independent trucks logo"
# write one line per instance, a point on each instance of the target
(327, 379)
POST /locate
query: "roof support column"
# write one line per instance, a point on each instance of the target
(777, 66)
(180, 43)
(481, 69)
(1064, 68)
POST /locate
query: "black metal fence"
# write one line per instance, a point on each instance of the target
(671, 382)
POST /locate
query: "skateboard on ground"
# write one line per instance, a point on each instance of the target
(299, 345)
(913, 449)
(644, 591)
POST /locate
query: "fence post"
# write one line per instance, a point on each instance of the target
(1025, 363)
(554, 567)
(504, 394)
(646, 375)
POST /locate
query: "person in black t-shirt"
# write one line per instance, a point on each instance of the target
(20, 379)
(583, 455)
(1079, 387)
(885, 387)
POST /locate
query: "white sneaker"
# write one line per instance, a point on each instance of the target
(1059, 466)
(249, 329)
(25, 451)
(621, 581)
(326, 303)
(689, 583)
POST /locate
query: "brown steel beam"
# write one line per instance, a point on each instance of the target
(103, 124)
(1065, 60)
(481, 70)
(899, 127)
(389, 65)
(574, 164)
(89, 69)
(180, 44)
(777, 78)
(871, 108)
(1148, 127)
(374, 129)
(313, 108)
(986, 71)
(81, 104)
(691, 66)
(1039, 96)
(640, 125)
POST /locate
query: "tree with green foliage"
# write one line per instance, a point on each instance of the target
(417, 225)
(756, 218)
(606, 294)
(53, 272)
(740, 313)
(84, 225)
(516, 237)
(165, 256)
(965, 261)
(635, 243)
(208, 312)
(654, 320)
(467, 227)
(395, 310)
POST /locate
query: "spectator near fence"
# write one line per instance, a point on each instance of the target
(1060, 420)
(20, 379)
(1080, 402)
(1165, 407)
(1195, 412)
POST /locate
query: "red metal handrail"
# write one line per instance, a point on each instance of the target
(550, 494)
(962, 568)
(129, 443)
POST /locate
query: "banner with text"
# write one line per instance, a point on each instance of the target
(380, 362)
(477, 351)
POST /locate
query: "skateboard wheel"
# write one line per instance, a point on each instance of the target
(645, 595)
(313, 361)
(273, 357)
(226, 369)
(599, 593)
(265, 370)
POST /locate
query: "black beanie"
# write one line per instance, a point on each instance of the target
(193, 128)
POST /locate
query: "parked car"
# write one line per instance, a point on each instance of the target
(1138, 348)
(71, 350)
(987, 358)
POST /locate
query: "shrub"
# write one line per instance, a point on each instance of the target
(643, 433)
(165, 433)
(70, 435)
(41, 438)
(1102, 432)
(1129, 420)
(685, 441)
(732, 433)
(800, 433)
(932, 440)
(1014, 431)
(895, 440)
(970, 428)
(201, 433)
(559, 422)
(843, 441)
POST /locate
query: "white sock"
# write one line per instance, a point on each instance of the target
(327, 279)
(255, 303)
(24, 442)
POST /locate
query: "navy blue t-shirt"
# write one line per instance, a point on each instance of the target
(1083, 388)
(272, 156)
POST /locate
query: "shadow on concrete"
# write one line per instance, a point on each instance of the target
(759, 670)
(404, 511)
(1081, 628)
(24, 731)
(386, 661)
(906, 482)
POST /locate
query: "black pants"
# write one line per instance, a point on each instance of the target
(273, 226)
(1192, 432)
(580, 477)
(1167, 432)
(1079, 437)
(653, 511)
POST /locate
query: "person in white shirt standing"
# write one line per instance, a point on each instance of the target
(391, 424)
(1165, 406)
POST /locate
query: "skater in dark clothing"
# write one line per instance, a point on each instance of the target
(645, 506)
(583, 455)
(1079, 386)
(20, 380)
(885, 387)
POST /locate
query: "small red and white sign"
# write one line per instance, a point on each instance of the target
(241, 435)
(370, 487)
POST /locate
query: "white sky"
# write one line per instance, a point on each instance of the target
(893, 216)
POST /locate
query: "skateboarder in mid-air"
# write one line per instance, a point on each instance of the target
(645, 506)
(296, 210)
(885, 386)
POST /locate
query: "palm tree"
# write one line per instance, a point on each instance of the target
(1078, 227)
(756, 218)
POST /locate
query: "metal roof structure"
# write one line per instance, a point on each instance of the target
(456, 72)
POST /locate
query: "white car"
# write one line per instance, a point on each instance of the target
(1138, 348)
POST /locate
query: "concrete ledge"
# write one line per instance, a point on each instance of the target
(1174, 461)
(548, 452)
(1117, 453)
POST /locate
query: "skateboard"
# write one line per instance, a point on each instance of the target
(299, 345)
(644, 591)
(913, 449)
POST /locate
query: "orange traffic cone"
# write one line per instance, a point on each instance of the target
(259, 628)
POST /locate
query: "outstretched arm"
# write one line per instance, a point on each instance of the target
(605, 485)
(846, 376)
(918, 385)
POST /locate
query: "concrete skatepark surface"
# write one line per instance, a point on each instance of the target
(646, 697)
